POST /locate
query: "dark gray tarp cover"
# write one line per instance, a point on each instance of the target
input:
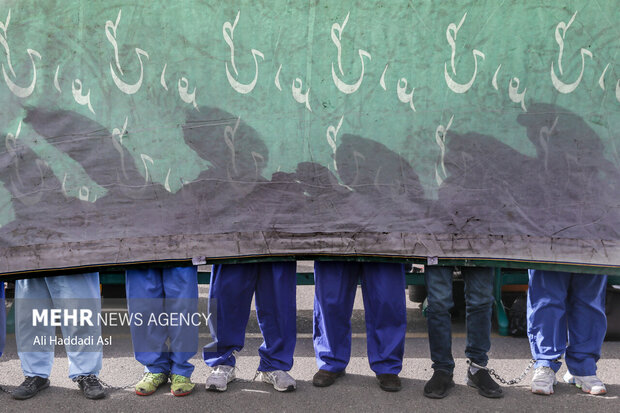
(139, 131)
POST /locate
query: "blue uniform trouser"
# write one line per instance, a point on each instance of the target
(383, 291)
(163, 291)
(55, 292)
(230, 298)
(566, 308)
(478, 312)
(2, 318)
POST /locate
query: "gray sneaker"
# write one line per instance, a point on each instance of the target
(219, 378)
(281, 380)
(543, 380)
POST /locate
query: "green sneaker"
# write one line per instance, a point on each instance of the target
(150, 382)
(181, 385)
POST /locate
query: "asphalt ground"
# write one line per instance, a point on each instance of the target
(356, 392)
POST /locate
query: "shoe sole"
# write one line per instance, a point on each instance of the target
(338, 375)
(440, 396)
(482, 393)
(213, 387)
(284, 389)
(139, 393)
(45, 386)
(589, 391)
(96, 397)
(181, 394)
(542, 392)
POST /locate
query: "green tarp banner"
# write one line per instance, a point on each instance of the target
(150, 130)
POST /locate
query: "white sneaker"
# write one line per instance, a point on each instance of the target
(281, 380)
(219, 378)
(588, 384)
(543, 381)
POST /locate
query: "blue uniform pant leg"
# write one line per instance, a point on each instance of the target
(2, 319)
(587, 323)
(83, 360)
(478, 312)
(181, 290)
(145, 299)
(276, 310)
(34, 363)
(230, 297)
(439, 288)
(383, 290)
(546, 316)
(335, 284)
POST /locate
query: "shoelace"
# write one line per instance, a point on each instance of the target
(90, 380)
(30, 382)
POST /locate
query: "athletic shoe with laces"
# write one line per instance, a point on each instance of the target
(181, 385)
(543, 380)
(220, 377)
(280, 379)
(588, 384)
(30, 386)
(91, 386)
(150, 382)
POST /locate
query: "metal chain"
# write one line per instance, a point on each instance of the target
(3, 390)
(513, 381)
(117, 388)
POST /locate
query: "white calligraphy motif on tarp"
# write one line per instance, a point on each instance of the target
(19, 91)
(229, 139)
(56, 84)
(494, 81)
(276, 80)
(110, 32)
(332, 133)
(514, 95)
(601, 80)
(403, 96)
(451, 33)
(382, 80)
(298, 95)
(162, 78)
(185, 96)
(560, 34)
(618, 90)
(146, 158)
(167, 182)
(340, 84)
(440, 138)
(117, 141)
(80, 98)
(228, 31)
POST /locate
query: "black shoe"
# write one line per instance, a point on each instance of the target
(484, 383)
(389, 382)
(439, 385)
(90, 386)
(30, 387)
(324, 378)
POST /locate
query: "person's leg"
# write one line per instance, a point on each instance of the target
(587, 324)
(383, 290)
(181, 291)
(546, 316)
(478, 312)
(276, 313)
(439, 288)
(83, 291)
(335, 285)
(145, 297)
(230, 295)
(36, 360)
